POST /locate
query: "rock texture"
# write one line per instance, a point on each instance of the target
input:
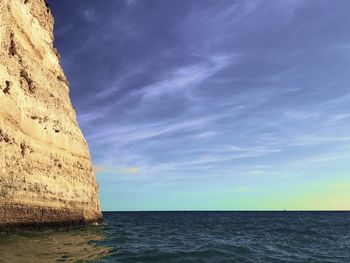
(46, 175)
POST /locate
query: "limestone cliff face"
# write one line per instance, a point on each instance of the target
(46, 176)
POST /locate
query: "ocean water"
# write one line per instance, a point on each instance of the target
(191, 237)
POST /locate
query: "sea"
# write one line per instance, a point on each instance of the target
(190, 237)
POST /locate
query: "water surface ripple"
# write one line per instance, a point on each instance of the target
(191, 237)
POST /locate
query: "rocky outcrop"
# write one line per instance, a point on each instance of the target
(46, 175)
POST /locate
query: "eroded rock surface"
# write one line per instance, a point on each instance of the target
(46, 175)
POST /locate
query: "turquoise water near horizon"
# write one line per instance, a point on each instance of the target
(190, 237)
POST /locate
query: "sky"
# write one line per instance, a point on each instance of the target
(212, 105)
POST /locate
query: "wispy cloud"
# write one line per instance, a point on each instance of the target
(144, 132)
(98, 169)
(89, 14)
(188, 77)
(131, 2)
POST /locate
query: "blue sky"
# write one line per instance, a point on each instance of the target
(200, 104)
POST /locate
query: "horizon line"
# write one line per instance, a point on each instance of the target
(283, 210)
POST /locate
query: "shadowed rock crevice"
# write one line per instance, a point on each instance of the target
(28, 80)
(6, 90)
(12, 48)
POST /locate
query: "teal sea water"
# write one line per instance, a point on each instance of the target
(191, 237)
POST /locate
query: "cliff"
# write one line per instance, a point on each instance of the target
(46, 175)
